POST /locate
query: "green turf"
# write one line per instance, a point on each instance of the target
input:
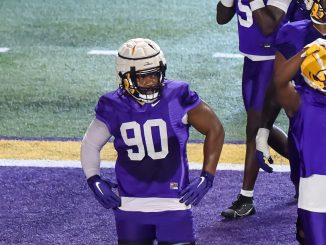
(49, 85)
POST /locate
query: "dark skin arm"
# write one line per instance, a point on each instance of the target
(268, 18)
(271, 107)
(203, 119)
(284, 71)
(224, 14)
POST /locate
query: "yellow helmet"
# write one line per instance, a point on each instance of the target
(317, 11)
(313, 69)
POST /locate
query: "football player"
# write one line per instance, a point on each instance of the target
(258, 23)
(301, 56)
(149, 118)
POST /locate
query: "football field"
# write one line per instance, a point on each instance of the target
(50, 84)
(57, 59)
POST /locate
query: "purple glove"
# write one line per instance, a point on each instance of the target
(262, 161)
(102, 189)
(197, 189)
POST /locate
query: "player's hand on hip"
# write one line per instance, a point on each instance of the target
(102, 189)
(314, 47)
(263, 155)
(197, 189)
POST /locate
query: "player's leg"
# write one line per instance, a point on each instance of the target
(255, 79)
(278, 140)
(294, 161)
(271, 109)
(314, 227)
(131, 230)
(251, 167)
(175, 227)
(299, 230)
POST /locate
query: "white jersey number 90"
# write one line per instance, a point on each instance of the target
(136, 140)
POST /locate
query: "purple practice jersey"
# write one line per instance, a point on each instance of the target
(150, 140)
(309, 126)
(291, 39)
(251, 40)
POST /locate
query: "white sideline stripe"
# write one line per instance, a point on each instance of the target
(103, 52)
(110, 164)
(227, 55)
(4, 50)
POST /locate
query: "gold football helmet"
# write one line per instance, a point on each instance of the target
(313, 68)
(317, 10)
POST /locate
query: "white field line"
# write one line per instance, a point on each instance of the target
(4, 50)
(110, 164)
(115, 52)
(103, 52)
(227, 55)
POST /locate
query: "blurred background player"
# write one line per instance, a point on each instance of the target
(258, 22)
(302, 44)
(149, 118)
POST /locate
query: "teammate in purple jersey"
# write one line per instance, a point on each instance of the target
(258, 22)
(302, 45)
(149, 118)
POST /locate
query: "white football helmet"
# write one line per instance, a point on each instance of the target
(140, 57)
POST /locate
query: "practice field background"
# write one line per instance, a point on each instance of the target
(49, 86)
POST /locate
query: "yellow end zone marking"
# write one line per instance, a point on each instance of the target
(70, 150)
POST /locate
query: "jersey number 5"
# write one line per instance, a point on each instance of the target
(247, 11)
(136, 140)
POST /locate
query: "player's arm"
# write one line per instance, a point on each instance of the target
(270, 16)
(203, 118)
(271, 108)
(95, 138)
(284, 71)
(225, 11)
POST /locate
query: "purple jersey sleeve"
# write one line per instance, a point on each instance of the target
(189, 98)
(292, 37)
